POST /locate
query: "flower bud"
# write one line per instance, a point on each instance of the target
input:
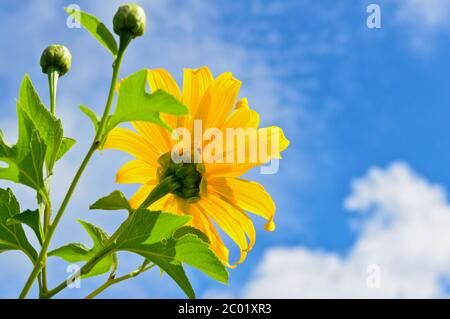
(56, 57)
(130, 18)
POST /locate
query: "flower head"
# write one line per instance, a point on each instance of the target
(130, 18)
(210, 190)
(56, 57)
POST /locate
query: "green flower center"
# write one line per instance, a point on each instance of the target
(188, 177)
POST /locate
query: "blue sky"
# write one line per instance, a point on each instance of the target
(357, 104)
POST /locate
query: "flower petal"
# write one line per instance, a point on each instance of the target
(128, 141)
(250, 196)
(268, 143)
(228, 215)
(243, 118)
(155, 135)
(136, 172)
(218, 101)
(195, 84)
(223, 219)
(202, 223)
(160, 79)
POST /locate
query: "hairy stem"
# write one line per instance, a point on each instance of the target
(40, 262)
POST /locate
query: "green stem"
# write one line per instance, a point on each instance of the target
(40, 262)
(124, 41)
(164, 187)
(113, 281)
(53, 76)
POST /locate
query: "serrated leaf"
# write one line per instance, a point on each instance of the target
(77, 252)
(96, 28)
(92, 116)
(189, 249)
(32, 219)
(25, 160)
(154, 236)
(145, 226)
(114, 201)
(176, 271)
(189, 230)
(48, 126)
(135, 104)
(72, 253)
(12, 237)
(66, 144)
(40, 141)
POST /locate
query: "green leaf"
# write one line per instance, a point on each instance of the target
(145, 226)
(135, 104)
(96, 28)
(12, 237)
(189, 230)
(25, 160)
(114, 201)
(92, 116)
(176, 271)
(40, 141)
(189, 249)
(72, 253)
(76, 252)
(49, 127)
(32, 219)
(163, 239)
(66, 144)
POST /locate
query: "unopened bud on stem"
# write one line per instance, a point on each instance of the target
(56, 57)
(131, 19)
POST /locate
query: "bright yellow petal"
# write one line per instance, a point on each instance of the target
(218, 101)
(195, 84)
(275, 140)
(249, 196)
(242, 104)
(227, 170)
(127, 141)
(174, 205)
(242, 118)
(155, 135)
(268, 143)
(225, 222)
(202, 223)
(136, 172)
(161, 203)
(235, 217)
(160, 79)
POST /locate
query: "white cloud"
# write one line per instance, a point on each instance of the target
(426, 13)
(424, 20)
(405, 234)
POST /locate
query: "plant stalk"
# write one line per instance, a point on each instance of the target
(40, 262)
(53, 76)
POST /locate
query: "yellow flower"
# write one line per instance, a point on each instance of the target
(215, 196)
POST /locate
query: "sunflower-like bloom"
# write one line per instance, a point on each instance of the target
(212, 193)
